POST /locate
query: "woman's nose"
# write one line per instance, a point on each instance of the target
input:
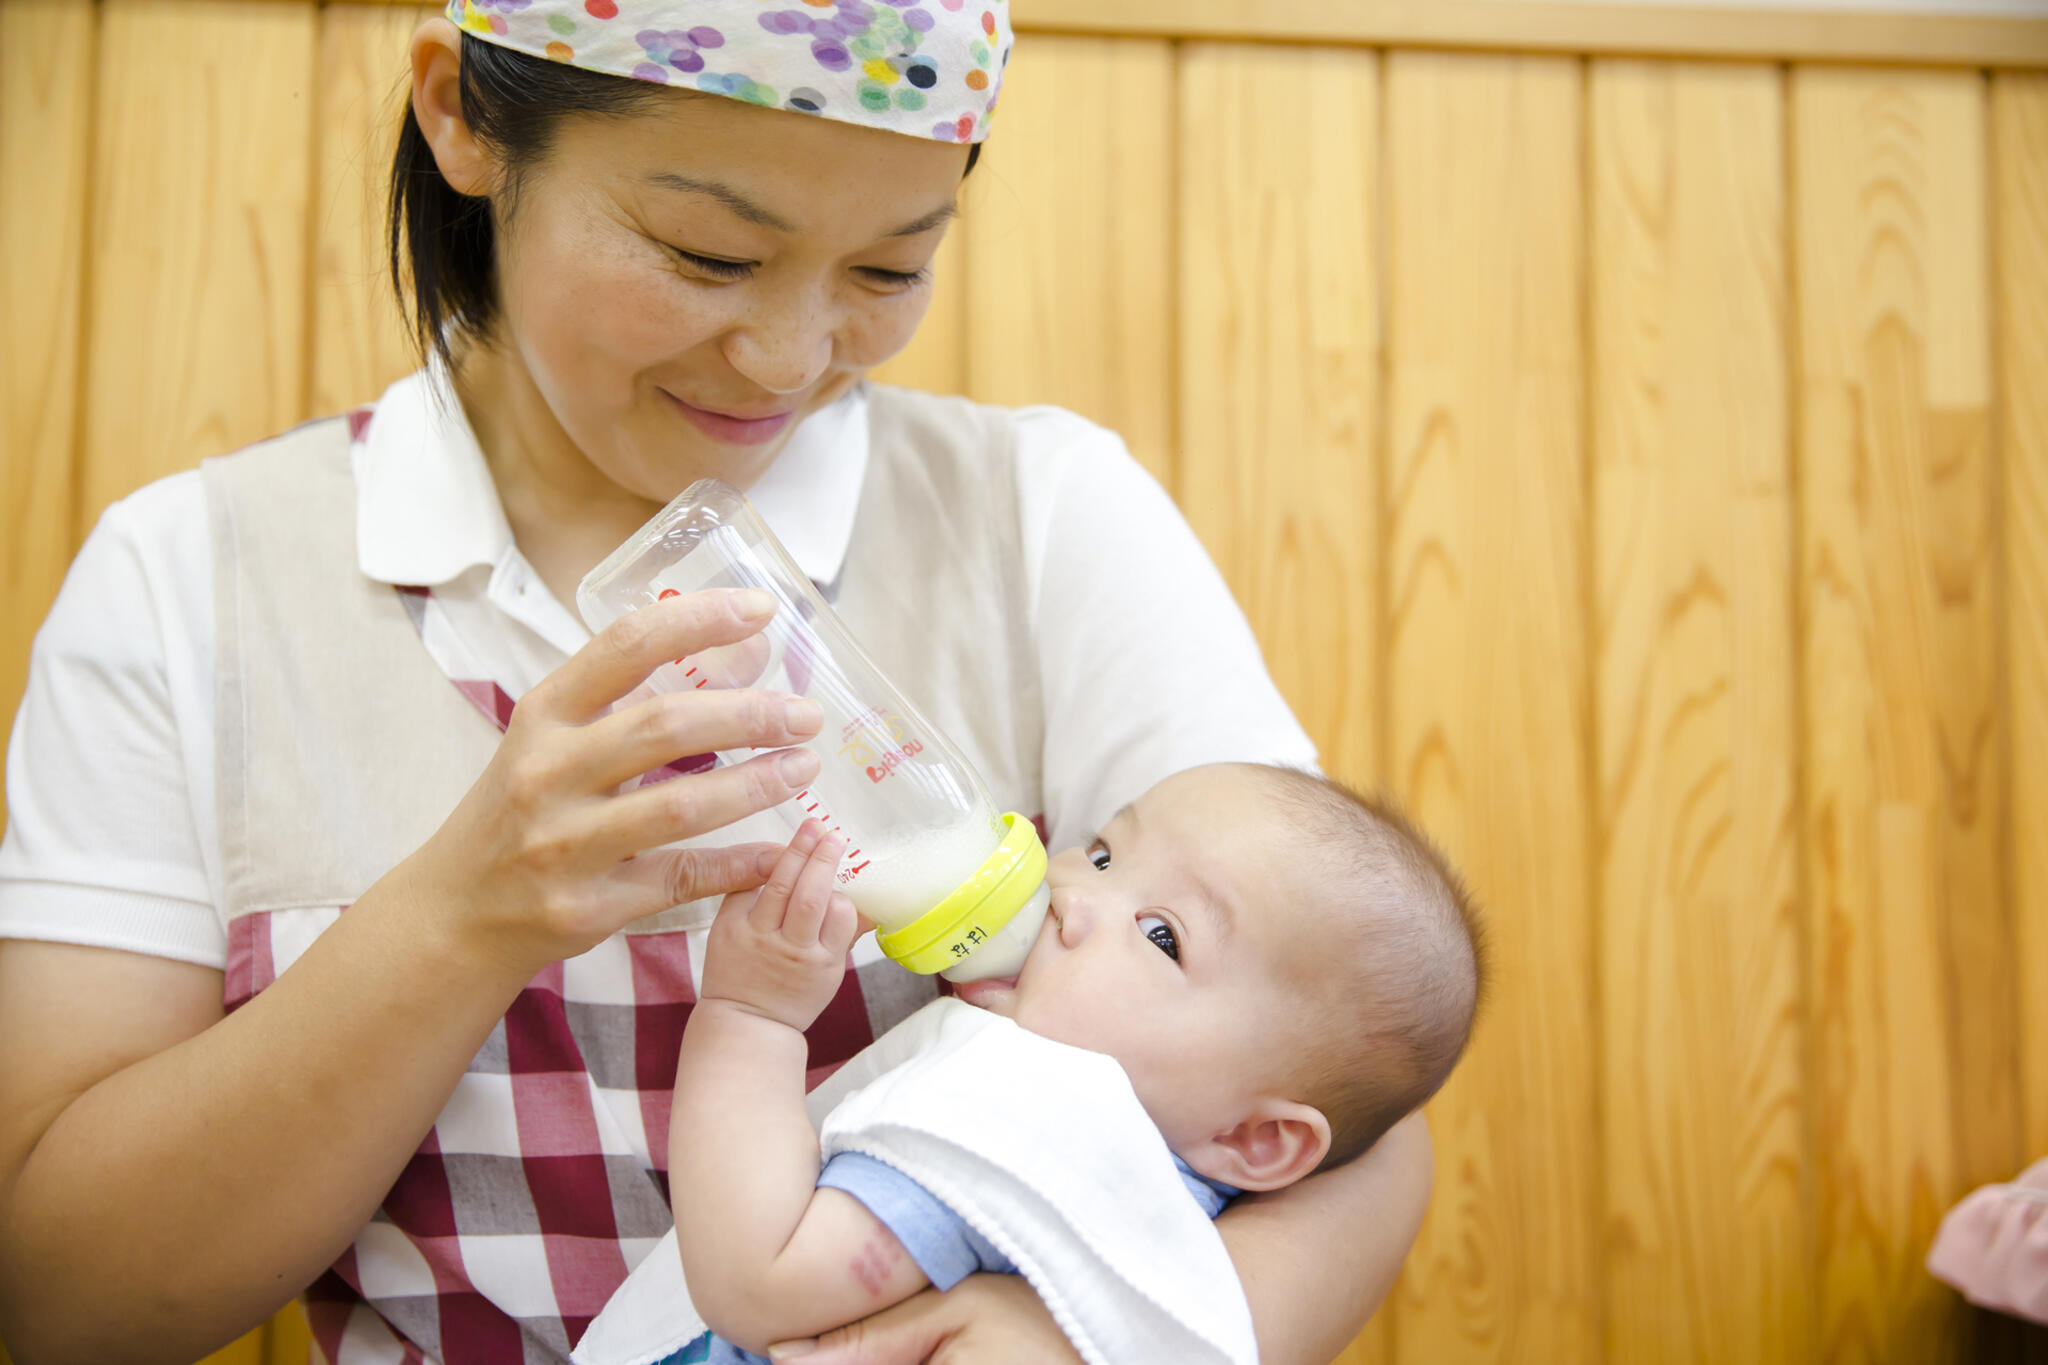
(786, 348)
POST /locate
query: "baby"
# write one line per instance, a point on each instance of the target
(1282, 969)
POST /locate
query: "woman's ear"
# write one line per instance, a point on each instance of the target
(437, 107)
(1276, 1144)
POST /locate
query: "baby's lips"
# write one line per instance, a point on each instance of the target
(980, 993)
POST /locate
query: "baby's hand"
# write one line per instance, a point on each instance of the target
(780, 952)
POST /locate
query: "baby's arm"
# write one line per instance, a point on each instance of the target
(767, 1256)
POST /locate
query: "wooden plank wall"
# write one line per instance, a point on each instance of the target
(1638, 466)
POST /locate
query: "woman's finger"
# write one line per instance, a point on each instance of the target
(667, 726)
(675, 876)
(908, 1334)
(739, 664)
(772, 905)
(620, 656)
(999, 1320)
(806, 912)
(685, 807)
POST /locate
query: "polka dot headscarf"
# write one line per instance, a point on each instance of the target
(926, 68)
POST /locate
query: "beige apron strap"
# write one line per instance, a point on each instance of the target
(339, 747)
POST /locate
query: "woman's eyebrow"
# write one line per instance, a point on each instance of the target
(746, 209)
(943, 214)
(741, 206)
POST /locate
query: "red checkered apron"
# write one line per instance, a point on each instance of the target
(544, 1181)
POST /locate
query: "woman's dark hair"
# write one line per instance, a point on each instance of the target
(443, 243)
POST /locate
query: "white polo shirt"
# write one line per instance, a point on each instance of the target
(1147, 664)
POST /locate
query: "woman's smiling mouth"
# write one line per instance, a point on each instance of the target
(734, 430)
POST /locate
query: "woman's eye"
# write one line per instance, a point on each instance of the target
(1098, 854)
(896, 279)
(1161, 933)
(712, 266)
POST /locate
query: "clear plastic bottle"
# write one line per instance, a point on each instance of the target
(952, 883)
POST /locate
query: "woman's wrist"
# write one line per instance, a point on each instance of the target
(444, 937)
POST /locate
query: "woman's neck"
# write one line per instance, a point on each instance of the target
(565, 515)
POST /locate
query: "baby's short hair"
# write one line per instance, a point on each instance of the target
(1407, 957)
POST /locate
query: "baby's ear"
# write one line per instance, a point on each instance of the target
(1274, 1145)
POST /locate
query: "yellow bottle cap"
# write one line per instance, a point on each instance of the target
(977, 908)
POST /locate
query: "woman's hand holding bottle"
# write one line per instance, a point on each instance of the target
(546, 855)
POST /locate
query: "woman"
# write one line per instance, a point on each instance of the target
(648, 242)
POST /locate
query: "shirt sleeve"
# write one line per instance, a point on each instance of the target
(938, 1239)
(1148, 664)
(103, 846)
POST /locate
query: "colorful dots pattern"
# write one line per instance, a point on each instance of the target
(926, 68)
(682, 49)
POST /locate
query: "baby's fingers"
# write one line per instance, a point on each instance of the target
(813, 892)
(843, 924)
(767, 912)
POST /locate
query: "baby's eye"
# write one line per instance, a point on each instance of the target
(1098, 854)
(1161, 933)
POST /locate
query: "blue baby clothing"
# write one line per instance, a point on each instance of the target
(942, 1243)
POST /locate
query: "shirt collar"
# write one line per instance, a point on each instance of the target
(427, 509)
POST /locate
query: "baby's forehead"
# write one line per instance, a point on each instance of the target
(1239, 826)
(1240, 808)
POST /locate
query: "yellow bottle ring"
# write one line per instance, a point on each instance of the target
(977, 908)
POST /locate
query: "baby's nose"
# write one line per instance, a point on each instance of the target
(1070, 910)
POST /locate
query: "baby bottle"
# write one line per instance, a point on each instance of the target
(952, 884)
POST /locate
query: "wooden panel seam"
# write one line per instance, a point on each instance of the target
(1592, 29)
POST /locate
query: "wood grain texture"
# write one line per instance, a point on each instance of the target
(1911, 982)
(288, 1339)
(1070, 296)
(46, 76)
(200, 203)
(1759, 31)
(1707, 1248)
(247, 1349)
(1487, 650)
(359, 341)
(2020, 195)
(1280, 338)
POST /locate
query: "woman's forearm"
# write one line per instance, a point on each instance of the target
(1318, 1257)
(183, 1199)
